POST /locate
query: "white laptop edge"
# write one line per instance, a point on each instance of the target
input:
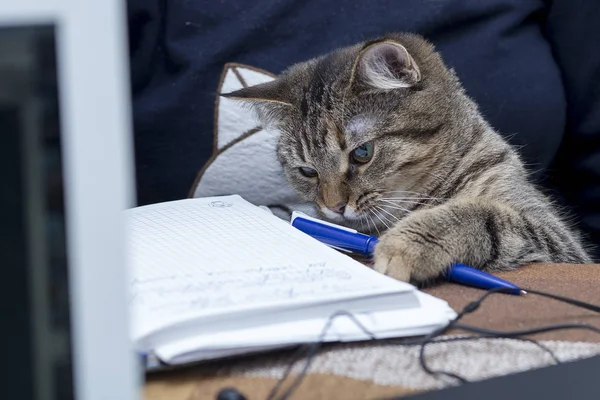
(98, 164)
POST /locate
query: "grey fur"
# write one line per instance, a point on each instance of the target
(442, 186)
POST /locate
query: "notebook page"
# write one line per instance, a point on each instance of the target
(202, 257)
(433, 314)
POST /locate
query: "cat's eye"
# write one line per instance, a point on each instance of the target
(362, 154)
(308, 172)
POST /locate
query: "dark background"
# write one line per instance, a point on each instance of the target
(33, 249)
(532, 65)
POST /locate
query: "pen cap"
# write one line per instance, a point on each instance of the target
(371, 245)
(337, 237)
(469, 276)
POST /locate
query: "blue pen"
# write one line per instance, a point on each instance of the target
(469, 276)
(336, 236)
(350, 240)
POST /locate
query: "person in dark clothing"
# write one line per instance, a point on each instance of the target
(533, 67)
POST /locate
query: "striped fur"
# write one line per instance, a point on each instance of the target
(442, 185)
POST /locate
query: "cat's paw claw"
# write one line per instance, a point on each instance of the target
(401, 257)
(390, 261)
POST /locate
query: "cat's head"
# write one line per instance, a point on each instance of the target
(361, 126)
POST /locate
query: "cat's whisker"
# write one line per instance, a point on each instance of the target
(374, 228)
(382, 220)
(397, 207)
(394, 201)
(373, 221)
(415, 198)
(412, 197)
(415, 195)
(387, 218)
(405, 191)
(363, 222)
(387, 212)
(398, 201)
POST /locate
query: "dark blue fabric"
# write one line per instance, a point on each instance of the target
(532, 65)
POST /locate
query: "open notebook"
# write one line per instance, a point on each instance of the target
(217, 277)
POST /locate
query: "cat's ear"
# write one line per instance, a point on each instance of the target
(270, 101)
(274, 92)
(387, 66)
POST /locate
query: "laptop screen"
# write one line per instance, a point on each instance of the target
(35, 297)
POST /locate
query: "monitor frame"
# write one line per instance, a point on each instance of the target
(98, 177)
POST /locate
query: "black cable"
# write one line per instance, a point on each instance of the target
(500, 334)
(295, 357)
(577, 303)
(460, 378)
(525, 332)
(466, 338)
(311, 353)
(313, 348)
(474, 305)
(409, 342)
(471, 307)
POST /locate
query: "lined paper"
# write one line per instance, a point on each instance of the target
(208, 256)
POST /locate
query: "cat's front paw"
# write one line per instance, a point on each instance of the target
(404, 253)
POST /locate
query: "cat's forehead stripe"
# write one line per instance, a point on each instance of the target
(317, 139)
(338, 135)
(341, 138)
(308, 143)
(308, 140)
(300, 149)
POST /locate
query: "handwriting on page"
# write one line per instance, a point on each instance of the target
(232, 288)
(201, 257)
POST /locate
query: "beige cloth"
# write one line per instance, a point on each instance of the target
(377, 369)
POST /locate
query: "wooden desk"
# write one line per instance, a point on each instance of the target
(376, 369)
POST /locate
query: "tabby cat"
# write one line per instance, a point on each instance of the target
(382, 138)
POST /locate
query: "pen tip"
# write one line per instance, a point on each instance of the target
(523, 292)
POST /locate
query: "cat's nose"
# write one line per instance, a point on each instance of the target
(338, 208)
